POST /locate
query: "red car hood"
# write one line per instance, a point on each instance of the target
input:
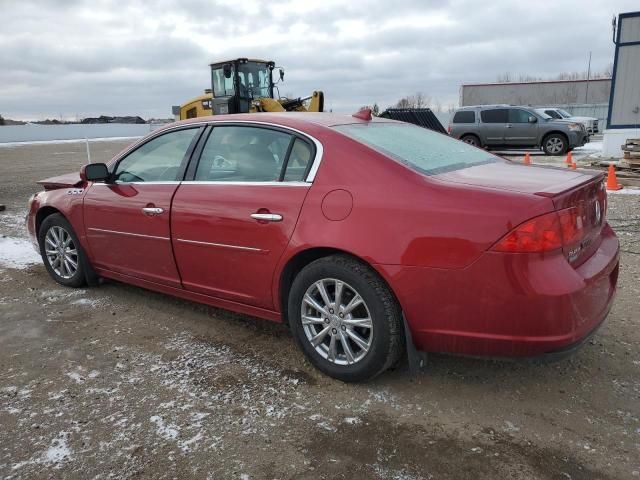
(62, 181)
(545, 181)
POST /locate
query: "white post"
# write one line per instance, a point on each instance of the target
(88, 151)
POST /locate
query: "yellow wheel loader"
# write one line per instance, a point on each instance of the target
(246, 85)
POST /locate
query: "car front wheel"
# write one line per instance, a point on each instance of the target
(61, 252)
(555, 144)
(345, 319)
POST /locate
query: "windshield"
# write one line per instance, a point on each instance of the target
(564, 113)
(543, 114)
(255, 80)
(423, 150)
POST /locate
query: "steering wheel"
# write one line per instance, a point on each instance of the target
(221, 163)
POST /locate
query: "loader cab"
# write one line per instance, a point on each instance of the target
(236, 83)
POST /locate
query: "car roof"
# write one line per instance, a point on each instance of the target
(287, 119)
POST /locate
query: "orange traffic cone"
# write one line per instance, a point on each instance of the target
(569, 159)
(612, 181)
(527, 159)
(573, 165)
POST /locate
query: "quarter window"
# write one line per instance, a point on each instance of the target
(496, 115)
(298, 162)
(157, 160)
(465, 116)
(243, 154)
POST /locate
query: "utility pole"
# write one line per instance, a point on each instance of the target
(586, 93)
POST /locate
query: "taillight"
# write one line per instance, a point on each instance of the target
(449, 129)
(547, 232)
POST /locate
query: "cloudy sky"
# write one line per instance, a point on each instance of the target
(68, 58)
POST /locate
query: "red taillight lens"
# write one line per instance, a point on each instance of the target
(449, 129)
(547, 232)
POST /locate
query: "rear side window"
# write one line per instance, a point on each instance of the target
(465, 116)
(420, 149)
(496, 115)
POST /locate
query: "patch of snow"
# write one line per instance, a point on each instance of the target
(17, 253)
(59, 450)
(168, 432)
(75, 376)
(624, 191)
(75, 140)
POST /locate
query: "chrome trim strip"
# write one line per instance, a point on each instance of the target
(127, 233)
(310, 177)
(258, 184)
(174, 182)
(221, 245)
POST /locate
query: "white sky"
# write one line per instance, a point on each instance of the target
(85, 58)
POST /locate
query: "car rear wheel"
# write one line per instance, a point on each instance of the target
(345, 319)
(471, 140)
(555, 144)
(61, 252)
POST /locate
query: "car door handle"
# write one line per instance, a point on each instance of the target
(267, 217)
(509, 125)
(151, 211)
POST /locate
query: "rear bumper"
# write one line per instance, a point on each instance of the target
(508, 305)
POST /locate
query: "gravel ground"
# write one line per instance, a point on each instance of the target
(119, 382)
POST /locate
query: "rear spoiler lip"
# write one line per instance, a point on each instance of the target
(564, 187)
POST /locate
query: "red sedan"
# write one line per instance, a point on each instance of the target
(367, 236)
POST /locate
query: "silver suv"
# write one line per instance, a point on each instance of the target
(507, 127)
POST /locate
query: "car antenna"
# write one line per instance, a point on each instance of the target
(363, 114)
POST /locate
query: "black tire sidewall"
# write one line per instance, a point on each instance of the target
(375, 360)
(78, 279)
(476, 140)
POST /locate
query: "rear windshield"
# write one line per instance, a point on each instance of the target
(465, 116)
(423, 150)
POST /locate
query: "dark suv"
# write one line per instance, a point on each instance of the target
(506, 126)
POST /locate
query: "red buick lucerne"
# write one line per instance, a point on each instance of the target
(367, 236)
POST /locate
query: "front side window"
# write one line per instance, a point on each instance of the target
(518, 116)
(158, 160)
(420, 149)
(496, 115)
(222, 86)
(243, 154)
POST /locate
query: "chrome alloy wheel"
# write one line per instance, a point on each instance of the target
(554, 145)
(336, 321)
(61, 252)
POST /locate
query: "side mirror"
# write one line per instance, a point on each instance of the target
(226, 69)
(532, 119)
(281, 74)
(94, 172)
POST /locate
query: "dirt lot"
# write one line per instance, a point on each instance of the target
(118, 382)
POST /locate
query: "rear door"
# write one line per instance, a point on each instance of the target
(233, 218)
(493, 125)
(127, 220)
(519, 131)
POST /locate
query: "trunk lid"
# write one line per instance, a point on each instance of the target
(68, 180)
(580, 190)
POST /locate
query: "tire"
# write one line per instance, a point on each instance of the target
(57, 227)
(383, 335)
(471, 140)
(555, 144)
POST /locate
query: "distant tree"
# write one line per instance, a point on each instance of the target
(403, 103)
(1, 120)
(375, 110)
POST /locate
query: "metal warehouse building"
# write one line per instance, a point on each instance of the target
(579, 97)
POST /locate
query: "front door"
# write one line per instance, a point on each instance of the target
(127, 220)
(519, 131)
(233, 220)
